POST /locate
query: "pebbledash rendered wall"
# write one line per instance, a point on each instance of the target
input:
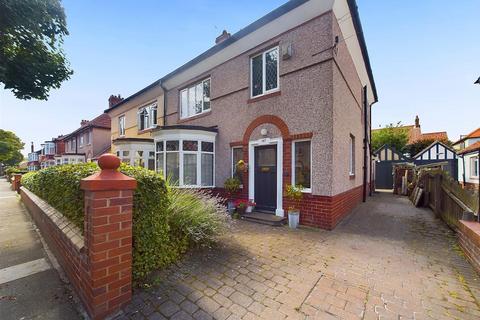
(320, 99)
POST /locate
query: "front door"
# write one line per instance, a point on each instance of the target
(266, 178)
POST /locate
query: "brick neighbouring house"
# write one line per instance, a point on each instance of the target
(290, 94)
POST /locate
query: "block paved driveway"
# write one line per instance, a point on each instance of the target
(388, 260)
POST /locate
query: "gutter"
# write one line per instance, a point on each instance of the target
(164, 103)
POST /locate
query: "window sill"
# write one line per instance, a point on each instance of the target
(352, 176)
(307, 191)
(200, 115)
(145, 130)
(265, 96)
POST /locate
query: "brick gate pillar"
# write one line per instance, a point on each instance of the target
(108, 238)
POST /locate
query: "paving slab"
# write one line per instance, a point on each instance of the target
(30, 288)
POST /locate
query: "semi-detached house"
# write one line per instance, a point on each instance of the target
(290, 94)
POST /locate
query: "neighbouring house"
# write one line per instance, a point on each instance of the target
(133, 120)
(47, 154)
(86, 143)
(289, 94)
(33, 159)
(436, 152)
(468, 167)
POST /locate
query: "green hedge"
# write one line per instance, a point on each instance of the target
(10, 171)
(162, 229)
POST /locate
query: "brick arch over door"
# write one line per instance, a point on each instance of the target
(279, 123)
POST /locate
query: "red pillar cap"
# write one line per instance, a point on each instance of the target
(108, 178)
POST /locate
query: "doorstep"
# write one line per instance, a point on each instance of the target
(264, 218)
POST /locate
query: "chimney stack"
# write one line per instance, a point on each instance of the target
(31, 148)
(417, 122)
(114, 99)
(224, 36)
(83, 123)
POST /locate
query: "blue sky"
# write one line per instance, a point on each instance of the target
(424, 54)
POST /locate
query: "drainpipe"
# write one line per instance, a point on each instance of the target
(365, 143)
(463, 173)
(164, 104)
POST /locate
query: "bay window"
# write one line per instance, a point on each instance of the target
(302, 159)
(186, 162)
(147, 117)
(195, 99)
(264, 72)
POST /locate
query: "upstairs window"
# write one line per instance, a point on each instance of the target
(121, 125)
(195, 99)
(81, 140)
(264, 73)
(147, 117)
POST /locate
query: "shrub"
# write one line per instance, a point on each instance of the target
(60, 187)
(196, 217)
(166, 221)
(10, 171)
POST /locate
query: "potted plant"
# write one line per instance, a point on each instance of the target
(250, 206)
(295, 195)
(241, 206)
(231, 185)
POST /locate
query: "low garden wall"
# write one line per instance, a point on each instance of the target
(469, 238)
(98, 262)
(113, 227)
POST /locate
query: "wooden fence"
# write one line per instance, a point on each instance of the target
(446, 197)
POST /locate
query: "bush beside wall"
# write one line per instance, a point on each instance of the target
(166, 222)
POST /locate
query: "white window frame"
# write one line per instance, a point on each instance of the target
(181, 136)
(305, 190)
(474, 162)
(231, 159)
(264, 82)
(121, 124)
(351, 155)
(152, 121)
(182, 116)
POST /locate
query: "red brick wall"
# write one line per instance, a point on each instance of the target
(469, 238)
(72, 260)
(99, 262)
(326, 212)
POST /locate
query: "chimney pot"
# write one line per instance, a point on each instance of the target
(417, 122)
(31, 147)
(114, 99)
(224, 36)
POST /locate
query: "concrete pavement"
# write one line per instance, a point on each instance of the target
(30, 288)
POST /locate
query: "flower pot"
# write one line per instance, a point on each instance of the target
(293, 218)
(241, 210)
(249, 209)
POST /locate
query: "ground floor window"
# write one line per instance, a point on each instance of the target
(474, 167)
(302, 158)
(351, 162)
(138, 158)
(237, 155)
(186, 162)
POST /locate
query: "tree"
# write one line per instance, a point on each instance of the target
(31, 56)
(10, 147)
(392, 135)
